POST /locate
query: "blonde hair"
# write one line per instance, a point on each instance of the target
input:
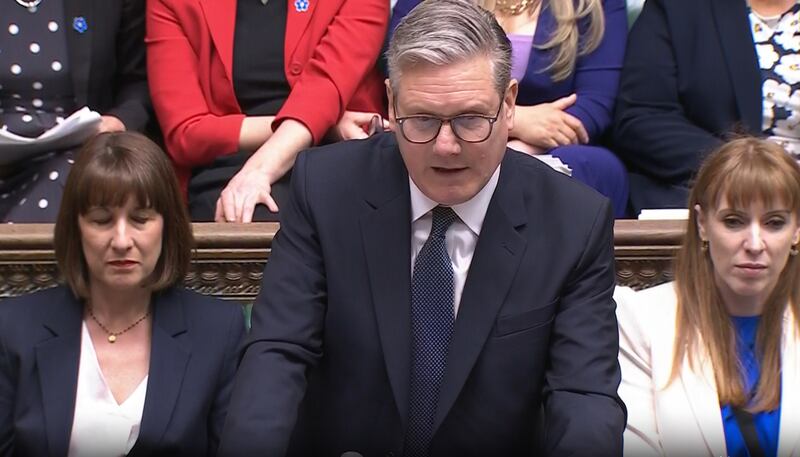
(567, 42)
(743, 171)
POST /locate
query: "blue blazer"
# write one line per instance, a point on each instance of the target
(329, 355)
(596, 75)
(192, 362)
(690, 77)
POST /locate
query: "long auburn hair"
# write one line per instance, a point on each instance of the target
(567, 42)
(742, 171)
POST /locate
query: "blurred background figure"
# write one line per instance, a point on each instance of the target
(121, 360)
(567, 57)
(57, 56)
(694, 71)
(241, 86)
(710, 362)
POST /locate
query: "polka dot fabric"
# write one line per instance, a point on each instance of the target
(33, 194)
(34, 73)
(432, 322)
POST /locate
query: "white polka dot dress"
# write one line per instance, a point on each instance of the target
(34, 73)
(36, 90)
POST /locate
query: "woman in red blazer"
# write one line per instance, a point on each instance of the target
(329, 52)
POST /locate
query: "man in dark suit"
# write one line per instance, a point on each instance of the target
(691, 78)
(431, 292)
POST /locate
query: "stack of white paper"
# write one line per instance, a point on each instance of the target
(555, 163)
(664, 214)
(69, 133)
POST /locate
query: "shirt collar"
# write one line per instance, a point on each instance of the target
(472, 212)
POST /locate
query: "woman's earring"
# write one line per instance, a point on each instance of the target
(793, 251)
(704, 246)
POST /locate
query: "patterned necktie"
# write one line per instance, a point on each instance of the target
(432, 321)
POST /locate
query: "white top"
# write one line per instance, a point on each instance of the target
(461, 236)
(101, 427)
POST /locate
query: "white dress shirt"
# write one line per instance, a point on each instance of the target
(101, 427)
(461, 236)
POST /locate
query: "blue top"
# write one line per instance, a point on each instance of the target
(596, 75)
(767, 423)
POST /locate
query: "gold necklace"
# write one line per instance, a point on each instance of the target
(112, 336)
(513, 7)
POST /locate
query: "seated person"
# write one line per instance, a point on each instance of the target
(711, 362)
(121, 360)
(241, 86)
(567, 59)
(696, 70)
(432, 292)
(59, 56)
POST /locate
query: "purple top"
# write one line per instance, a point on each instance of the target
(596, 75)
(520, 53)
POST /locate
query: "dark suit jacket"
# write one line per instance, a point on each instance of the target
(329, 354)
(690, 76)
(108, 59)
(192, 363)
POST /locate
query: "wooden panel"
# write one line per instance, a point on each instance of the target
(229, 258)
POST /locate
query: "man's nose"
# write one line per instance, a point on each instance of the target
(446, 142)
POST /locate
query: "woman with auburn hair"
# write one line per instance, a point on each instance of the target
(721, 380)
(121, 360)
(567, 58)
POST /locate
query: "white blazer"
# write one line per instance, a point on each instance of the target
(683, 418)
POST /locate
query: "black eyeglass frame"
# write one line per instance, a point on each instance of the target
(401, 120)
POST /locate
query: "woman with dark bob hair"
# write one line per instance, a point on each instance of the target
(121, 360)
(711, 362)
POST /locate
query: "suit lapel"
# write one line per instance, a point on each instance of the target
(296, 24)
(494, 264)
(737, 44)
(221, 19)
(168, 361)
(79, 46)
(386, 234)
(701, 392)
(57, 359)
(789, 439)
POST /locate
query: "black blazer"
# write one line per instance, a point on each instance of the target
(107, 61)
(192, 362)
(535, 326)
(690, 77)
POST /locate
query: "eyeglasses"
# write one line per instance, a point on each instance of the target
(472, 128)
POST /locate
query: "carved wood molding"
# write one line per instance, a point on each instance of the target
(229, 258)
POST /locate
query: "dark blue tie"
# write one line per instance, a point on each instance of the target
(432, 320)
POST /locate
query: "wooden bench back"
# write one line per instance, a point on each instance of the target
(230, 258)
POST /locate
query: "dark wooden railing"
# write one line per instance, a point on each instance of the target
(230, 258)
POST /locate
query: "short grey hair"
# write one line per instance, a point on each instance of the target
(442, 32)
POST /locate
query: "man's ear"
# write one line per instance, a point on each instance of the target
(390, 98)
(510, 99)
(701, 222)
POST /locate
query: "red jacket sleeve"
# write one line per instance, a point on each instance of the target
(195, 131)
(342, 61)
